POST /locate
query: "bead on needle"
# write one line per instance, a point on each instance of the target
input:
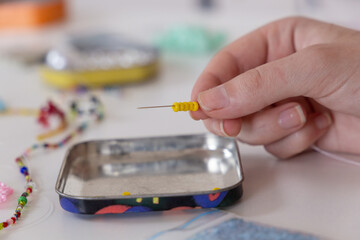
(178, 106)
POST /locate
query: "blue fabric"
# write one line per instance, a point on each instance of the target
(238, 229)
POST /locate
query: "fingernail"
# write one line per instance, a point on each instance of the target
(215, 126)
(323, 121)
(213, 99)
(222, 129)
(292, 117)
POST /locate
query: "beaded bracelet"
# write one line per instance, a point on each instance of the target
(44, 119)
(95, 106)
(98, 112)
(5, 110)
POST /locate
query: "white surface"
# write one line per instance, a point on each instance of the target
(309, 193)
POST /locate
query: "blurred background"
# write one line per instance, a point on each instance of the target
(31, 28)
(148, 52)
(144, 19)
(140, 53)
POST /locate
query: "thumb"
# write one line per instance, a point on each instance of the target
(295, 75)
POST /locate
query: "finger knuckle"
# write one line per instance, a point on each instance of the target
(249, 140)
(295, 144)
(286, 20)
(322, 54)
(294, 19)
(323, 59)
(281, 154)
(302, 140)
(253, 82)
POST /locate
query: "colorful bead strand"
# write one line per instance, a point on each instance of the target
(98, 112)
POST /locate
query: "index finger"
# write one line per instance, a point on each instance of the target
(270, 42)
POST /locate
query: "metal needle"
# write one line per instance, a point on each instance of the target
(155, 106)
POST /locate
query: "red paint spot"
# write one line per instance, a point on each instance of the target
(213, 197)
(180, 208)
(113, 209)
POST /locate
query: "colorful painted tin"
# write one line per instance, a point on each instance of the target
(150, 174)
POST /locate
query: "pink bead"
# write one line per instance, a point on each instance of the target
(5, 191)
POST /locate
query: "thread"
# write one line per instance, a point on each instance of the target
(336, 156)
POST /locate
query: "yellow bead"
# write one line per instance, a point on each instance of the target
(195, 106)
(126, 194)
(185, 106)
(175, 107)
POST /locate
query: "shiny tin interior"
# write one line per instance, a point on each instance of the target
(146, 167)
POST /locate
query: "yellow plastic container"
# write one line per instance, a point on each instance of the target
(98, 60)
(97, 78)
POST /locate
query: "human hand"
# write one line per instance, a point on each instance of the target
(287, 85)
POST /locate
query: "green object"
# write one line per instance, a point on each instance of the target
(23, 199)
(190, 39)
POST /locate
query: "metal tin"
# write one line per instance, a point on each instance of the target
(99, 60)
(150, 174)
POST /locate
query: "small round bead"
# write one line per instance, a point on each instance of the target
(1, 226)
(13, 219)
(5, 224)
(22, 199)
(73, 105)
(68, 138)
(23, 170)
(9, 221)
(29, 190)
(25, 194)
(30, 184)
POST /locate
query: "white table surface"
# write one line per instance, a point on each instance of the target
(309, 193)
